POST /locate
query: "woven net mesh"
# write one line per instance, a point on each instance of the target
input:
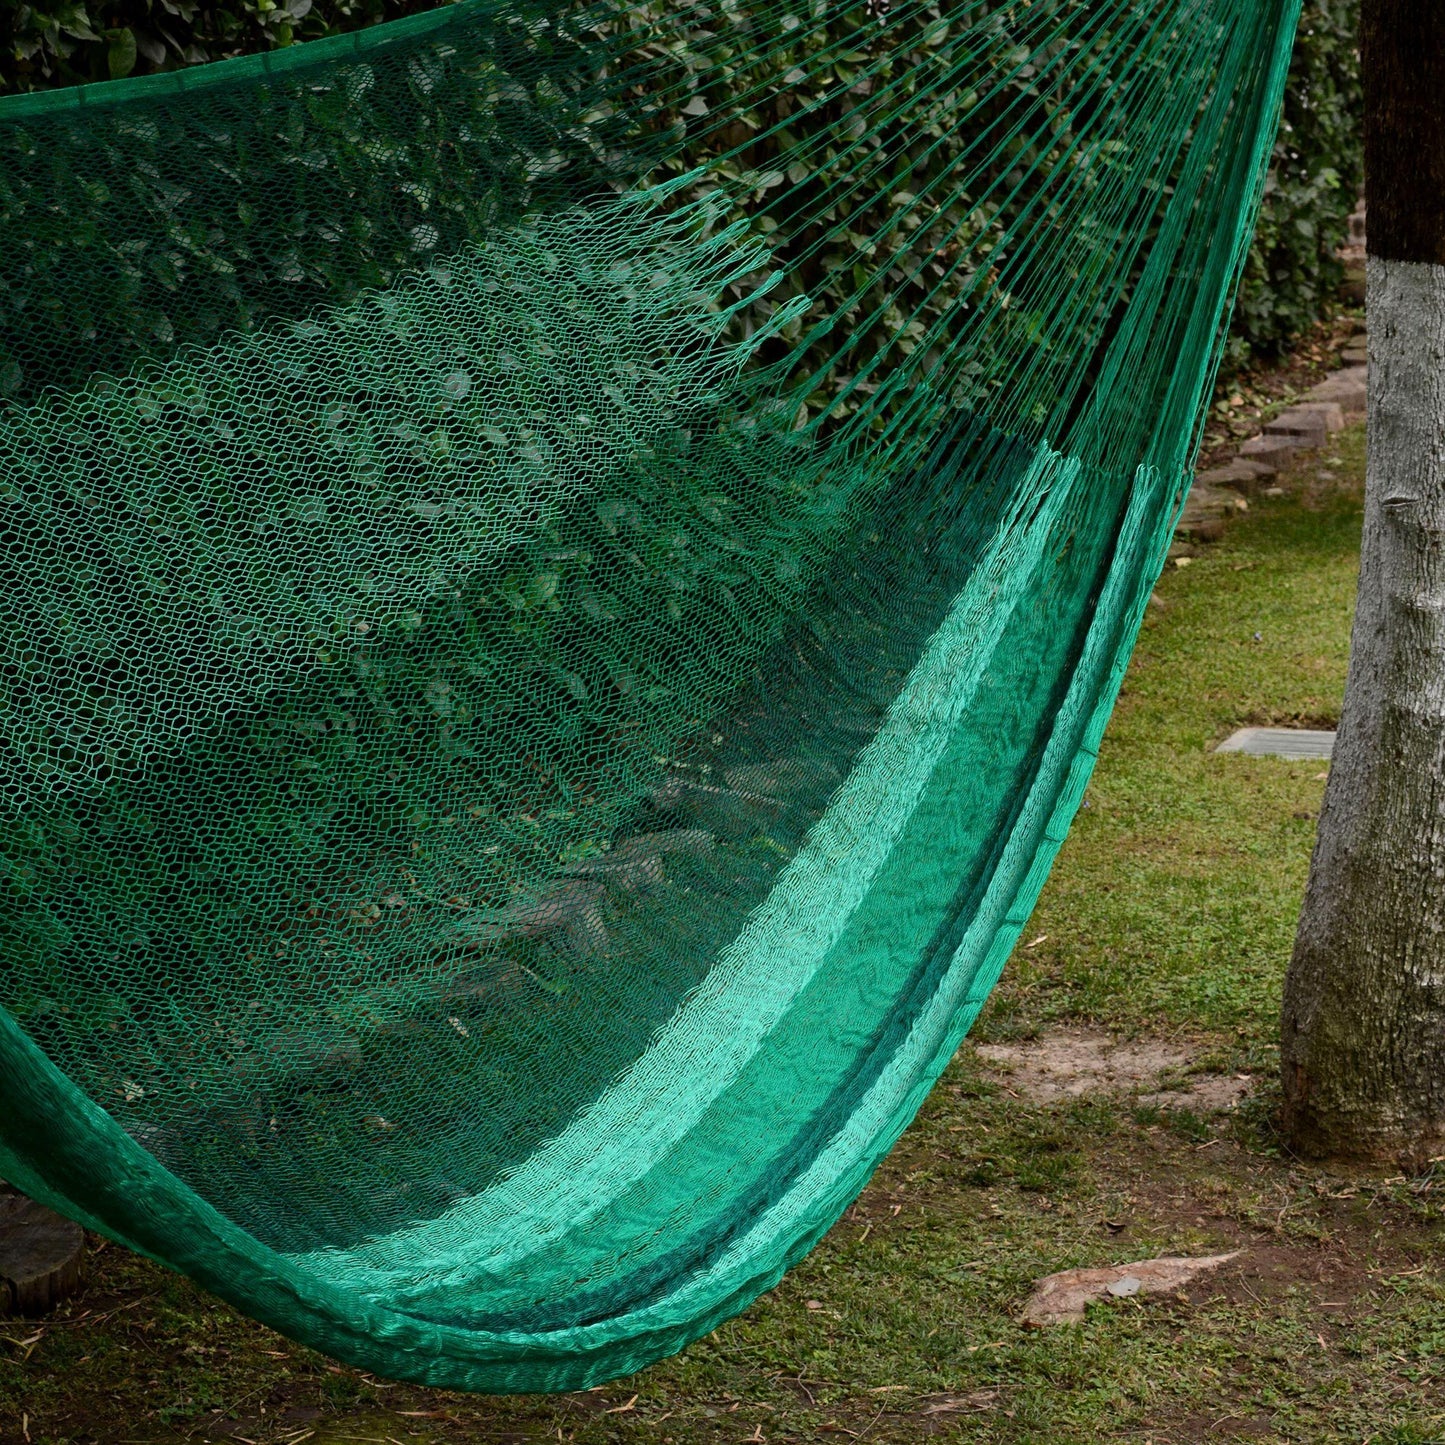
(565, 568)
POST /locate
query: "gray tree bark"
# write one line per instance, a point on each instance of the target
(1363, 1027)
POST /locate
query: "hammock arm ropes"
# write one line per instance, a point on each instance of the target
(566, 567)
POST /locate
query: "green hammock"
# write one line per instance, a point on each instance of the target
(566, 565)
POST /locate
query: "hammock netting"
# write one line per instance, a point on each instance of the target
(565, 567)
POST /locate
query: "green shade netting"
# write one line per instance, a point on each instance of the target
(565, 567)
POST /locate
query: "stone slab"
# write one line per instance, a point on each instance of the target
(1293, 744)
(1307, 427)
(1346, 375)
(1347, 389)
(1243, 472)
(1203, 528)
(1278, 450)
(1330, 413)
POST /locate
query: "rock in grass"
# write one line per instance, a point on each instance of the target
(1062, 1298)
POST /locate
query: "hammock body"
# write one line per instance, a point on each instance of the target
(566, 569)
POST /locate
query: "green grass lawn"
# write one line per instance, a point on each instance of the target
(1170, 913)
(1173, 902)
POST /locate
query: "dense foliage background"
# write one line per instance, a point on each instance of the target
(1293, 274)
(1318, 173)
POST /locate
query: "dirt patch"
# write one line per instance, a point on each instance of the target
(1203, 1093)
(1218, 1426)
(1070, 1063)
(1272, 1271)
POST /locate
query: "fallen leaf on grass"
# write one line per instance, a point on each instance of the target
(959, 1404)
(28, 1344)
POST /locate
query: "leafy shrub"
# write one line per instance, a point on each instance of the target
(68, 42)
(1293, 272)
(1292, 275)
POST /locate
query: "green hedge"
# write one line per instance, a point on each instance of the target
(66, 42)
(1293, 275)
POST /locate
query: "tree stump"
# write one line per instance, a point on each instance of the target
(40, 1255)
